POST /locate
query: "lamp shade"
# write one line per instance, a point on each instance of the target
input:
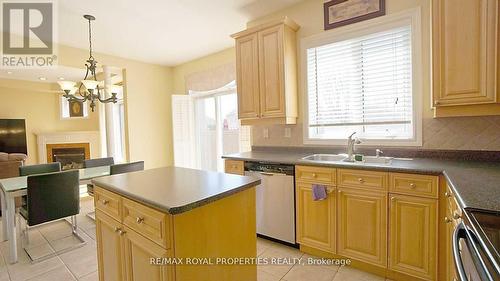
(66, 85)
(90, 84)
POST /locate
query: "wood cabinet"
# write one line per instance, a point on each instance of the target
(451, 220)
(266, 73)
(362, 225)
(413, 232)
(465, 59)
(127, 243)
(234, 167)
(109, 248)
(316, 220)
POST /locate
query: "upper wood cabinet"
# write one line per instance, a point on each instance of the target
(266, 73)
(465, 60)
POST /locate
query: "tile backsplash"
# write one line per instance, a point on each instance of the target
(458, 133)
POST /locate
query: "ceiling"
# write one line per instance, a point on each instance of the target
(166, 32)
(49, 75)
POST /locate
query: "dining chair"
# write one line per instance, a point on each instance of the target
(39, 169)
(126, 167)
(51, 197)
(98, 162)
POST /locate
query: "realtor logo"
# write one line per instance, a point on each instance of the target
(28, 34)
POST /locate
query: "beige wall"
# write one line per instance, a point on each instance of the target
(449, 133)
(38, 103)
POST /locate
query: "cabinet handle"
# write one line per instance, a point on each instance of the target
(105, 202)
(413, 185)
(436, 103)
(456, 216)
(117, 229)
(361, 180)
(447, 194)
(314, 175)
(447, 220)
(139, 220)
(121, 232)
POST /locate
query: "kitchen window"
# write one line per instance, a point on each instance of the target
(365, 79)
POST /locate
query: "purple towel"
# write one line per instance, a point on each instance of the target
(318, 192)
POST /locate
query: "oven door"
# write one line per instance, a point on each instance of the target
(470, 261)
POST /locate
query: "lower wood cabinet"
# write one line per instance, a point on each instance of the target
(413, 236)
(316, 225)
(109, 248)
(362, 225)
(124, 254)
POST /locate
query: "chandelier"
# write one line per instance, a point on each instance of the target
(88, 89)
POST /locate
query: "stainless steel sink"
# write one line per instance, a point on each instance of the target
(325, 157)
(377, 160)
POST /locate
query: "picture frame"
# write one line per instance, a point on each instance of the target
(343, 12)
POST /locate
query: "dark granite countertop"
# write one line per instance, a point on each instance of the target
(476, 183)
(175, 190)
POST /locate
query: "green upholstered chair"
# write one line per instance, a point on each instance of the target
(39, 169)
(99, 162)
(126, 167)
(52, 196)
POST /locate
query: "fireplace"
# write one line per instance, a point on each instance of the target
(70, 155)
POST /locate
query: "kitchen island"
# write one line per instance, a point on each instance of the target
(175, 224)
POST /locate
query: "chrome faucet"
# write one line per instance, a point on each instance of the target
(378, 152)
(350, 147)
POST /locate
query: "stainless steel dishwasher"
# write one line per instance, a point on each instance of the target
(275, 200)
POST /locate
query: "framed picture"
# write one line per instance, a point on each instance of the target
(344, 12)
(75, 109)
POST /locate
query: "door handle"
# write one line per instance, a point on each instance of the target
(458, 234)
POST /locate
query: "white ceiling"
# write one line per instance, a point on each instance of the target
(167, 32)
(51, 75)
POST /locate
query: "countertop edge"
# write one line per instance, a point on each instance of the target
(176, 209)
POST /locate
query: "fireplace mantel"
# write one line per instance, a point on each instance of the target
(90, 137)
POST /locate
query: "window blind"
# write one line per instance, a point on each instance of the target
(365, 81)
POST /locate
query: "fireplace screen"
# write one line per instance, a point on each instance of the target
(70, 158)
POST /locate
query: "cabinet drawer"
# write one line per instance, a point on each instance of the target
(315, 174)
(420, 185)
(108, 202)
(234, 167)
(148, 222)
(363, 179)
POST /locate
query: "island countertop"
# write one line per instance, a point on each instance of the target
(173, 189)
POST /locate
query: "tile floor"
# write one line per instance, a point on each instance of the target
(81, 264)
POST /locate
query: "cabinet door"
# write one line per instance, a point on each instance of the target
(315, 219)
(247, 76)
(465, 45)
(271, 78)
(109, 248)
(138, 252)
(413, 234)
(362, 225)
(450, 227)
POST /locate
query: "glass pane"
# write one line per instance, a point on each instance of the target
(230, 124)
(206, 133)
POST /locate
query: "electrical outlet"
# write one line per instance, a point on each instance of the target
(265, 132)
(288, 132)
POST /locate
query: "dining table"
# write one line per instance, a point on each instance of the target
(16, 187)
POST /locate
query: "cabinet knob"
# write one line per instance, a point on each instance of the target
(447, 194)
(413, 185)
(436, 103)
(139, 220)
(447, 220)
(314, 175)
(361, 180)
(105, 202)
(121, 232)
(117, 229)
(456, 215)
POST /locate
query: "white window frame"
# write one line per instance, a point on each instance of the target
(410, 17)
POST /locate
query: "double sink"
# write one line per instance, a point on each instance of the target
(344, 158)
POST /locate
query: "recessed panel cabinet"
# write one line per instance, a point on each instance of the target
(465, 57)
(266, 73)
(316, 219)
(362, 225)
(413, 232)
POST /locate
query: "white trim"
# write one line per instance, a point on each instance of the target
(411, 16)
(91, 137)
